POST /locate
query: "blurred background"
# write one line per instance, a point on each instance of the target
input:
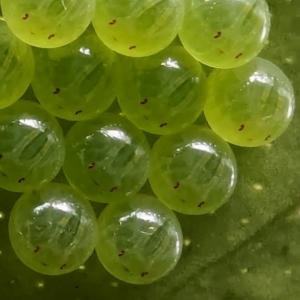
(248, 250)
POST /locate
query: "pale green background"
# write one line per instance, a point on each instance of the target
(248, 250)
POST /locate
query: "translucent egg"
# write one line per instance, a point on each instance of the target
(53, 230)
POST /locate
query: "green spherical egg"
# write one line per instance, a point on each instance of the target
(31, 146)
(107, 158)
(48, 23)
(140, 240)
(75, 82)
(162, 93)
(193, 172)
(225, 34)
(138, 28)
(251, 105)
(53, 230)
(17, 67)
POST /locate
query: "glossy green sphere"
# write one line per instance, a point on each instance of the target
(140, 240)
(193, 172)
(138, 28)
(107, 158)
(251, 105)
(162, 93)
(225, 34)
(48, 23)
(31, 146)
(53, 230)
(75, 82)
(16, 67)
